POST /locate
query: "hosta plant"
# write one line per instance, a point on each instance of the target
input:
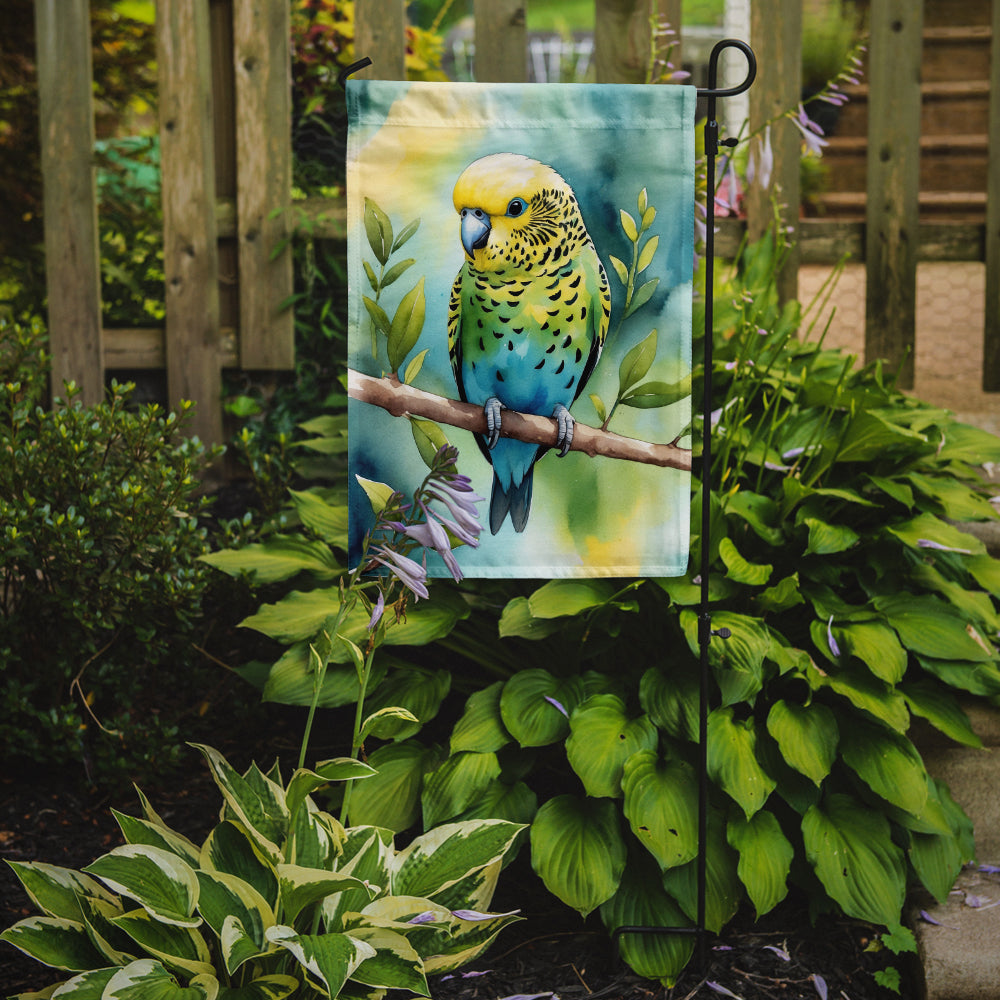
(279, 900)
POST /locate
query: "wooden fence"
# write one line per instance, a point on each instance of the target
(225, 134)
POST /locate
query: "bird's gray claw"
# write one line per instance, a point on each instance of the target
(492, 409)
(566, 424)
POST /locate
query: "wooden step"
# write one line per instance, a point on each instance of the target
(946, 106)
(958, 206)
(956, 53)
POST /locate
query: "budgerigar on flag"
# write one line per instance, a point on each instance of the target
(520, 267)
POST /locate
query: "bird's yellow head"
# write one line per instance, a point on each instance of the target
(517, 215)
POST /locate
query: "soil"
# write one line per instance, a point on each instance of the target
(551, 952)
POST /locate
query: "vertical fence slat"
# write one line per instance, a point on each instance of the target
(622, 40)
(380, 34)
(501, 41)
(776, 35)
(991, 332)
(72, 257)
(261, 57)
(892, 215)
(190, 254)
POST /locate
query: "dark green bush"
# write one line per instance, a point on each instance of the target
(100, 587)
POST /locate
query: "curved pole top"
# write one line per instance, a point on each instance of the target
(713, 69)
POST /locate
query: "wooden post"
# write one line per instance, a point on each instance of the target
(776, 35)
(261, 57)
(622, 40)
(991, 333)
(893, 182)
(190, 254)
(72, 256)
(501, 41)
(380, 34)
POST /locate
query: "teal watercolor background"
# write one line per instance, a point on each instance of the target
(408, 144)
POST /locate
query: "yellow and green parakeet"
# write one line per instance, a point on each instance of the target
(528, 313)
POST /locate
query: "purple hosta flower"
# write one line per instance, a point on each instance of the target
(834, 648)
(427, 917)
(727, 197)
(377, 611)
(408, 571)
(990, 869)
(460, 503)
(760, 164)
(558, 705)
(927, 918)
(820, 984)
(430, 534)
(465, 975)
(812, 134)
(475, 915)
(531, 996)
(719, 988)
(780, 952)
(928, 543)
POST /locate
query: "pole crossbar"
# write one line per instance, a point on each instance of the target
(705, 630)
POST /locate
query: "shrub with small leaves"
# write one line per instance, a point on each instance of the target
(99, 574)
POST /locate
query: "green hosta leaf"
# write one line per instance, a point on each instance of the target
(292, 680)
(440, 858)
(936, 704)
(850, 847)
(481, 728)
(876, 646)
(162, 883)
(330, 959)
(407, 323)
(641, 901)
(865, 692)
(279, 558)
(928, 528)
(636, 363)
(957, 501)
(870, 436)
(530, 706)
(274, 987)
(54, 941)
(395, 964)
(181, 948)
(752, 574)
(385, 723)
(230, 849)
(298, 615)
(56, 891)
(456, 784)
(937, 859)
(517, 620)
(304, 782)
(429, 439)
(932, 628)
(888, 763)
(783, 595)
(986, 572)
(327, 520)
(765, 858)
(807, 736)
(827, 539)
(391, 798)
(738, 661)
(671, 700)
(732, 760)
(301, 887)
(515, 803)
(261, 809)
(569, 597)
(976, 678)
(724, 891)
(760, 512)
(661, 798)
(418, 690)
(147, 979)
(601, 739)
(578, 851)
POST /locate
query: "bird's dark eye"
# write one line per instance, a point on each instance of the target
(516, 207)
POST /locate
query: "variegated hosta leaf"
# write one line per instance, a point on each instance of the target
(367, 854)
(481, 727)
(86, 986)
(256, 801)
(54, 941)
(578, 851)
(315, 839)
(807, 736)
(395, 964)
(141, 831)
(475, 891)
(274, 987)
(147, 979)
(602, 737)
(765, 858)
(467, 941)
(225, 897)
(116, 946)
(661, 800)
(329, 959)
(850, 847)
(230, 849)
(732, 760)
(158, 880)
(177, 947)
(56, 891)
(300, 887)
(642, 902)
(723, 889)
(441, 857)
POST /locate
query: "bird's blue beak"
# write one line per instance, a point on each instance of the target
(475, 229)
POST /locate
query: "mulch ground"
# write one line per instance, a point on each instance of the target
(551, 952)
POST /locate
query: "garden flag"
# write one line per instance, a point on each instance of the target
(520, 269)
